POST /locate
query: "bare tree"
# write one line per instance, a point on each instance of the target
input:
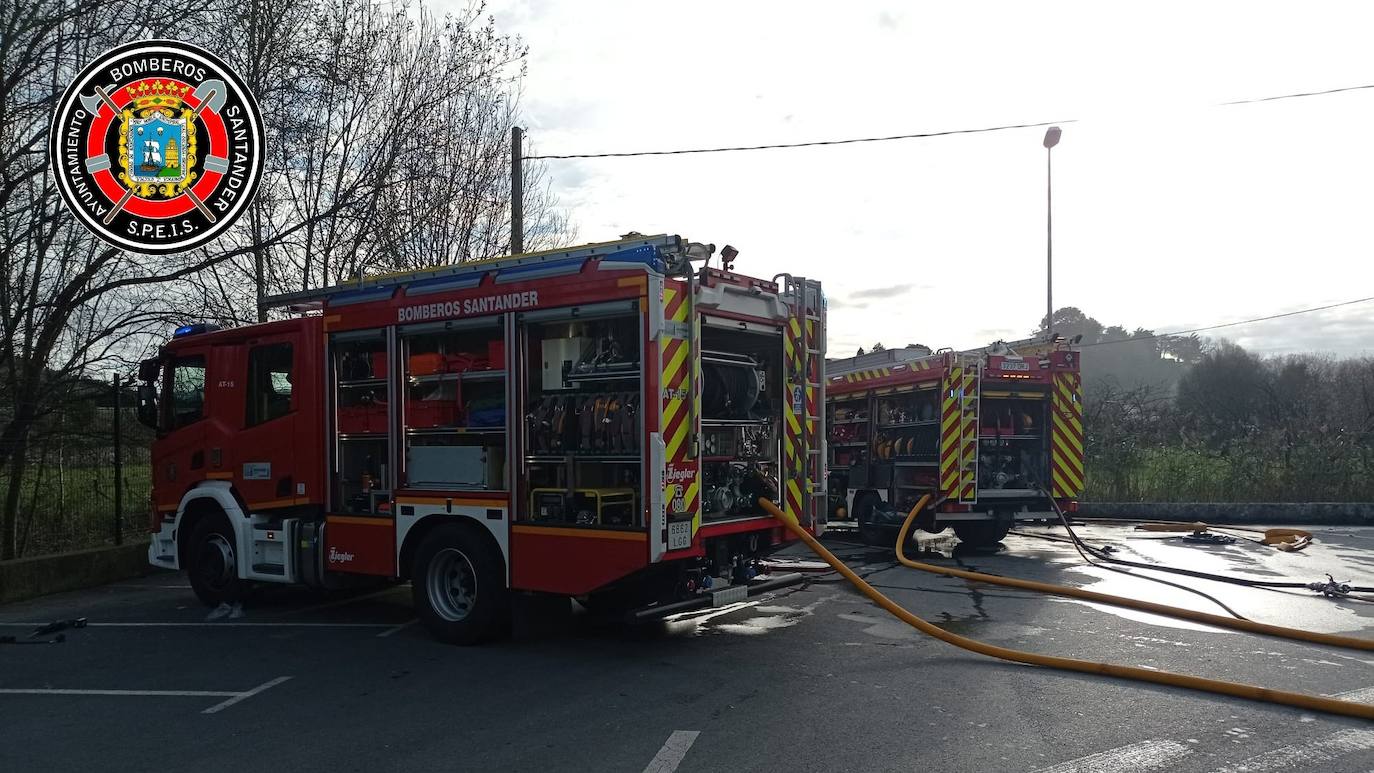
(395, 122)
(68, 299)
(348, 88)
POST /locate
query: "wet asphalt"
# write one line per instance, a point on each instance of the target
(808, 678)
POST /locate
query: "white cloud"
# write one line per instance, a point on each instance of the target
(1168, 213)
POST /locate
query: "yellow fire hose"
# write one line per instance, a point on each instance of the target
(1300, 700)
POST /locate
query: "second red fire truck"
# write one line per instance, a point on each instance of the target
(598, 422)
(990, 434)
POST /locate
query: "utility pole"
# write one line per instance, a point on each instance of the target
(517, 191)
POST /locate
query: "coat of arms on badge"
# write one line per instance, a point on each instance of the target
(157, 141)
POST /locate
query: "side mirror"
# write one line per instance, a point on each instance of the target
(147, 405)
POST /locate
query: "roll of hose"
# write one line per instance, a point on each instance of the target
(729, 390)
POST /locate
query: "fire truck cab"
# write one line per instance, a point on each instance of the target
(597, 422)
(990, 434)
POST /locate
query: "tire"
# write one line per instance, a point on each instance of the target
(211, 563)
(982, 534)
(458, 583)
(863, 511)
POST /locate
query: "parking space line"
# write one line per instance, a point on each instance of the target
(1145, 755)
(243, 696)
(232, 696)
(1362, 695)
(674, 749)
(125, 693)
(278, 624)
(1308, 756)
(345, 601)
(397, 629)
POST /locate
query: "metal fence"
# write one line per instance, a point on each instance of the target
(86, 480)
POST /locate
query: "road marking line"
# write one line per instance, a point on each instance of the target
(674, 749)
(1362, 695)
(139, 693)
(213, 625)
(396, 629)
(1145, 755)
(1308, 756)
(243, 696)
(343, 602)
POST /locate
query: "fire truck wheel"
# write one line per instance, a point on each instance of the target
(982, 534)
(211, 566)
(864, 505)
(458, 583)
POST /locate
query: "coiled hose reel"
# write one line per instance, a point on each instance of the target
(732, 386)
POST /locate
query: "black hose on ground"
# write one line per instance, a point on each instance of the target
(1129, 573)
(1174, 569)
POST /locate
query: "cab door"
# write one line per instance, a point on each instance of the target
(180, 454)
(263, 463)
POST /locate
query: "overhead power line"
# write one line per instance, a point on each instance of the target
(1229, 324)
(811, 144)
(1297, 95)
(890, 138)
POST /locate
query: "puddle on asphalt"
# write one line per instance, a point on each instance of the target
(1310, 613)
(764, 618)
(1291, 607)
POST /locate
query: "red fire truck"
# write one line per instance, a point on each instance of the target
(988, 433)
(596, 422)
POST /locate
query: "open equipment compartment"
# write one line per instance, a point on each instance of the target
(360, 474)
(582, 431)
(1013, 442)
(742, 393)
(455, 405)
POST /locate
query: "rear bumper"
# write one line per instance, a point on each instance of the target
(1023, 509)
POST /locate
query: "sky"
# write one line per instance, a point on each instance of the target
(1170, 212)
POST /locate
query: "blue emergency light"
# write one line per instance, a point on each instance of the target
(190, 330)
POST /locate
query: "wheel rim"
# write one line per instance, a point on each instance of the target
(215, 561)
(452, 584)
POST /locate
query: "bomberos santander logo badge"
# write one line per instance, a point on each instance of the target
(157, 146)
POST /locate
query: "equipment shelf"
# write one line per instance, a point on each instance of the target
(362, 382)
(909, 424)
(586, 458)
(456, 431)
(735, 422)
(630, 375)
(467, 375)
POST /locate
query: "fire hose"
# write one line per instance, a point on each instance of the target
(1336, 589)
(1235, 689)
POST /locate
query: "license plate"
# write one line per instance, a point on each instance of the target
(1015, 365)
(679, 535)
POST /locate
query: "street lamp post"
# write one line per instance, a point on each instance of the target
(1052, 135)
